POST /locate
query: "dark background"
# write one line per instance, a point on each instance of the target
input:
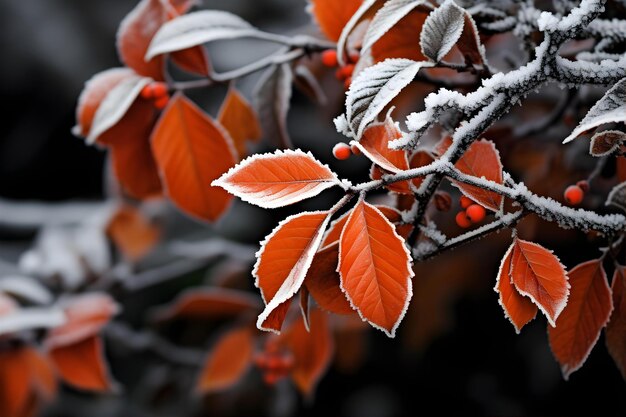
(477, 366)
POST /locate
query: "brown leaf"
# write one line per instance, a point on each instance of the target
(615, 332)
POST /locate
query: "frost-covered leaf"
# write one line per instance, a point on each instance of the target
(209, 304)
(538, 274)
(228, 361)
(358, 17)
(137, 31)
(312, 350)
(95, 90)
(271, 100)
(615, 333)
(336, 17)
(587, 312)
(86, 315)
(617, 196)
(31, 318)
(442, 30)
(278, 179)
(606, 142)
(375, 268)
(375, 87)
(198, 28)
(25, 288)
(611, 108)
(518, 309)
(375, 145)
(482, 160)
(283, 261)
(115, 105)
(191, 151)
(240, 120)
(387, 16)
(323, 282)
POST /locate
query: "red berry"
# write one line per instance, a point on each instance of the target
(584, 185)
(462, 220)
(354, 57)
(476, 213)
(443, 201)
(355, 149)
(342, 151)
(147, 92)
(271, 377)
(465, 202)
(346, 71)
(347, 82)
(574, 195)
(329, 58)
(159, 90)
(161, 102)
(275, 363)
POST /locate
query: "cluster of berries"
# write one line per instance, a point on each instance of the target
(157, 92)
(472, 213)
(343, 73)
(274, 363)
(574, 194)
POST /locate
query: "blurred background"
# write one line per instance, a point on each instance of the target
(455, 352)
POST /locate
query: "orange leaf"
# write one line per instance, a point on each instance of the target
(282, 263)
(375, 145)
(137, 30)
(96, 89)
(400, 187)
(481, 160)
(375, 268)
(402, 40)
(587, 312)
(312, 350)
(420, 159)
(41, 373)
(132, 233)
(82, 365)
(538, 274)
(15, 383)
(131, 155)
(191, 151)
(332, 15)
(615, 332)
(518, 309)
(278, 179)
(469, 42)
(392, 214)
(228, 361)
(323, 282)
(209, 304)
(86, 315)
(240, 119)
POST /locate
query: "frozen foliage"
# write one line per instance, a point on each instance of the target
(198, 28)
(442, 29)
